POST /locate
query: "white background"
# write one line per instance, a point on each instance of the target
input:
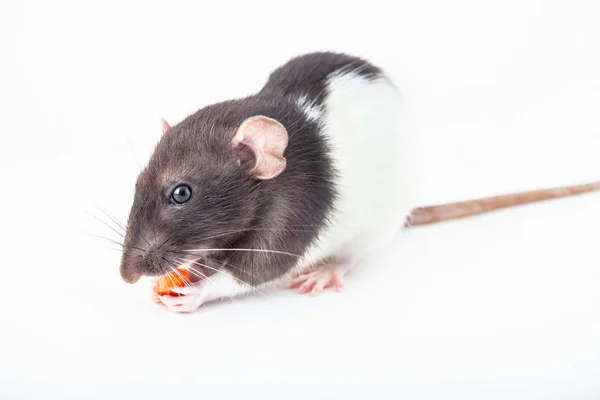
(506, 97)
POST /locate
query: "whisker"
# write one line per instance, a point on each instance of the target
(121, 225)
(247, 250)
(113, 249)
(113, 219)
(179, 274)
(133, 153)
(206, 277)
(289, 228)
(194, 270)
(226, 262)
(197, 273)
(108, 225)
(200, 274)
(164, 243)
(116, 222)
(258, 230)
(239, 280)
(115, 242)
(171, 279)
(145, 240)
(105, 238)
(185, 281)
(240, 269)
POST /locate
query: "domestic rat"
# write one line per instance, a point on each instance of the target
(293, 184)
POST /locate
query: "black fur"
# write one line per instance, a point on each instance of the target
(228, 208)
(308, 74)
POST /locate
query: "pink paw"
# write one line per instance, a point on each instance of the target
(185, 299)
(315, 280)
(182, 304)
(153, 295)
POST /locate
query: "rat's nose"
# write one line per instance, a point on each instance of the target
(129, 272)
(145, 258)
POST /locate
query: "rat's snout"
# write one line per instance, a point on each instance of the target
(129, 273)
(146, 258)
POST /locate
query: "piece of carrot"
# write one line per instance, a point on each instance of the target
(173, 279)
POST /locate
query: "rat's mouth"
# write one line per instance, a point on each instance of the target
(156, 265)
(199, 268)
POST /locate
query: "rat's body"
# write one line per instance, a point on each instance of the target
(312, 173)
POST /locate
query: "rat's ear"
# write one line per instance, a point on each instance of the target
(165, 126)
(259, 144)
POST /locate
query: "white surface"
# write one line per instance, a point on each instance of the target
(506, 97)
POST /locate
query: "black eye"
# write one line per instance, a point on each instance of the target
(181, 194)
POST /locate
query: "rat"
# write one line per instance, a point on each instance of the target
(294, 184)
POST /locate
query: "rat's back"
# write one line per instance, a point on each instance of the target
(359, 112)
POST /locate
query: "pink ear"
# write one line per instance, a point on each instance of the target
(267, 139)
(165, 126)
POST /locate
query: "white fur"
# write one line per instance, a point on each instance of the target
(312, 111)
(373, 155)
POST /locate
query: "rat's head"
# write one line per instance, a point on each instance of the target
(200, 188)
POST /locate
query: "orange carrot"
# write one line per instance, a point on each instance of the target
(177, 278)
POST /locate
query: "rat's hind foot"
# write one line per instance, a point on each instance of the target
(324, 276)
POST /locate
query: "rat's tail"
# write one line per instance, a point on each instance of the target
(444, 212)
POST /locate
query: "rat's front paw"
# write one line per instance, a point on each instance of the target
(188, 301)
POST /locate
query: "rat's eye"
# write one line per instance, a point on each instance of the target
(181, 194)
